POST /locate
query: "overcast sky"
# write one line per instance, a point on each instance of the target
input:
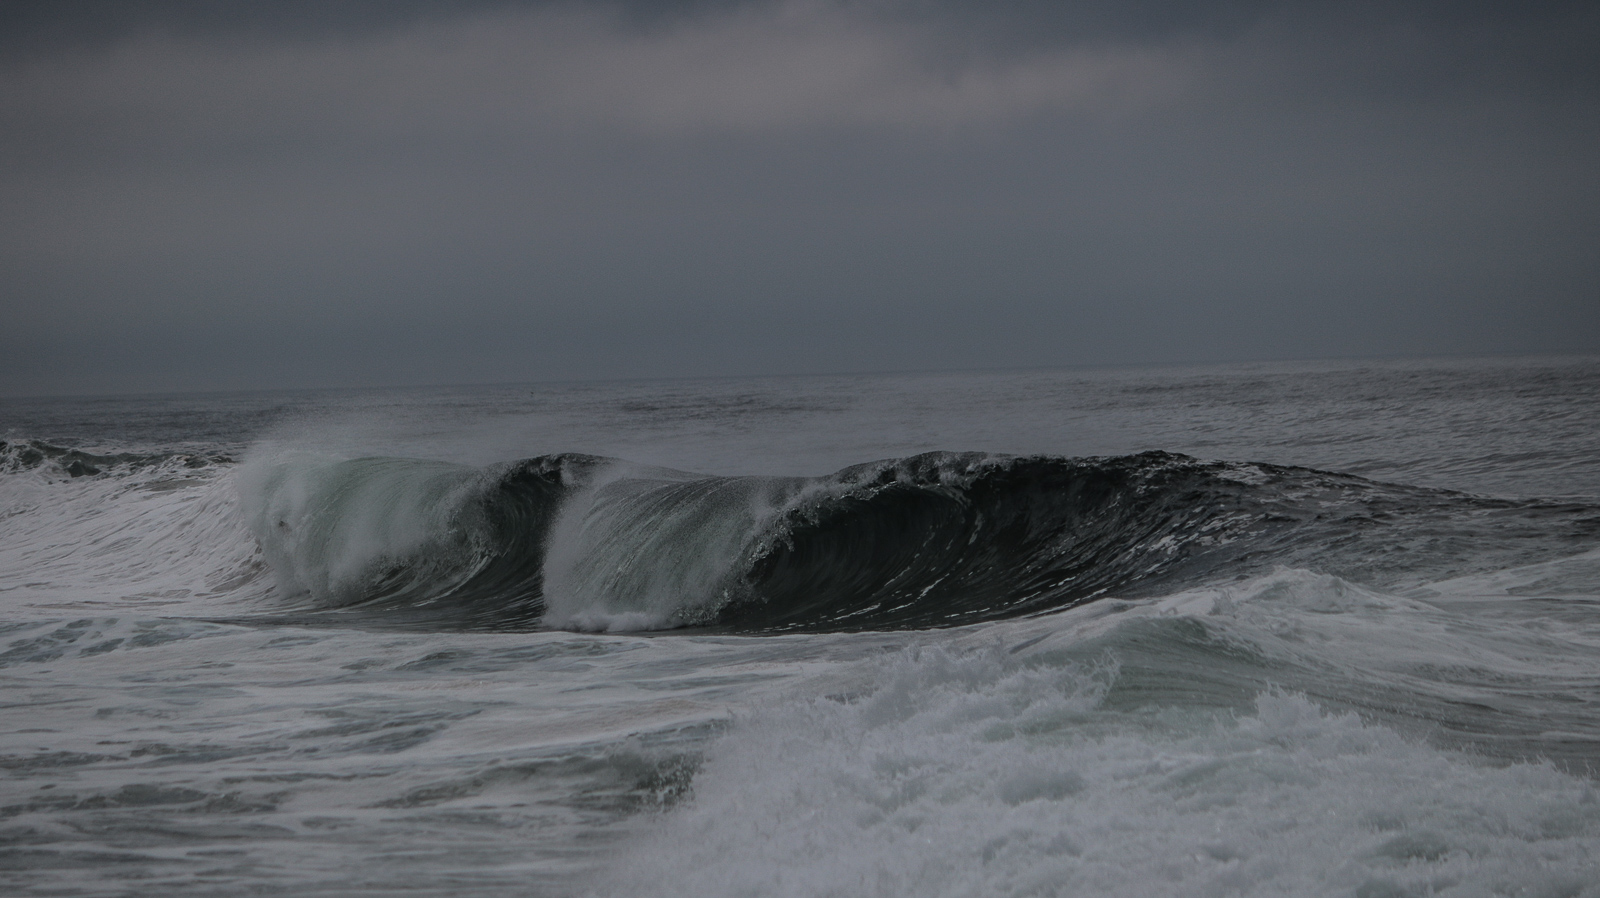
(234, 195)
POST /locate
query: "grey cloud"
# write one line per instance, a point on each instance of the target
(774, 65)
(499, 191)
(168, 78)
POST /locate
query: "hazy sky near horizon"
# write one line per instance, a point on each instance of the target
(232, 195)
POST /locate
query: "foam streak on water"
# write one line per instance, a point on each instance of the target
(1299, 630)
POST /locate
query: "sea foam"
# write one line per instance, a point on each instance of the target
(982, 774)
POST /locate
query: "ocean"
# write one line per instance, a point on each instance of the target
(1322, 628)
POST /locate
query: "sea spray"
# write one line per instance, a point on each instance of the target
(648, 550)
(345, 531)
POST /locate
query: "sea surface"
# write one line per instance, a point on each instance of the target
(1283, 629)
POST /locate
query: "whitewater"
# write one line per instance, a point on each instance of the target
(1303, 629)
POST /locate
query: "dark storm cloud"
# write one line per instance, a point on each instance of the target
(236, 194)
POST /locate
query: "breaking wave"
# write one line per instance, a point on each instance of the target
(933, 540)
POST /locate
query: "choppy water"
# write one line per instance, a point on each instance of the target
(1317, 629)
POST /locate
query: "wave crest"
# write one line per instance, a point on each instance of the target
(933, 540)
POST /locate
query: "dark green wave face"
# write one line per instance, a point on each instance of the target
(933, 540)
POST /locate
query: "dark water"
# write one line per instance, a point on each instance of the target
(1294, 629)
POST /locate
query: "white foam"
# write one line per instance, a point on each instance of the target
(164, 538)
(975, 774)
